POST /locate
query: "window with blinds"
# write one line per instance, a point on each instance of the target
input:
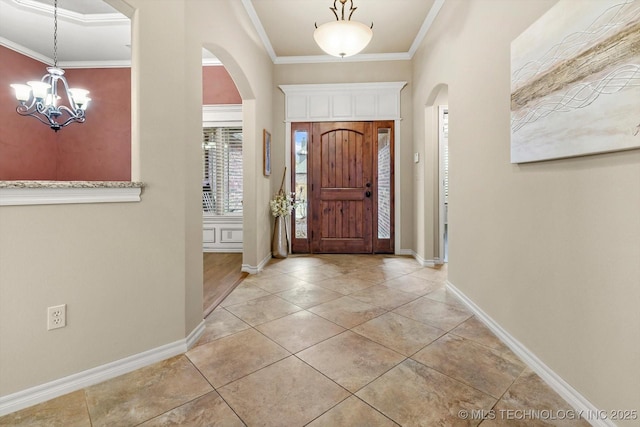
(222, 170)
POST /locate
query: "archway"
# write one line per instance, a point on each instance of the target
(436, 142)
(223, 182)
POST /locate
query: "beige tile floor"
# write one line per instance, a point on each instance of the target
(330, 340)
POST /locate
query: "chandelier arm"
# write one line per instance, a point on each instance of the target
(78, 113)
(72, 101)
(334, 9)
(39, 111)
(24, 110)
(72, 120)
(33, 114)
(43, 109)
(352, 9)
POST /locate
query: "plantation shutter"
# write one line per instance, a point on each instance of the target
(222, 170)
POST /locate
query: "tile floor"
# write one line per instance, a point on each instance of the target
(330, 340)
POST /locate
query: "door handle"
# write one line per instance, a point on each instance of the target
(367, 193)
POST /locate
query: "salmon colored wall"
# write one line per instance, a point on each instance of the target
(27, 150)
(218, 87)
(100, 148)
(97, 150)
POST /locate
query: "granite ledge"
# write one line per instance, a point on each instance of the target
(71, 184)
(20, 193)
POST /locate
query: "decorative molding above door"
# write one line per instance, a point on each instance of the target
(342, 102)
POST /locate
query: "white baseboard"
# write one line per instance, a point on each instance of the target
(222, 250)
(404, 252)
(256, 269)
(560, 386)
(38, 394)
(195, 335)
(423, 262)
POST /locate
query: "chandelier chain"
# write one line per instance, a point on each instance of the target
(55, 33)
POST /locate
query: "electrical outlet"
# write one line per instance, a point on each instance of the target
(56, 317)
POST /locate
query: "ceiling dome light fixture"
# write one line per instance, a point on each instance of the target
(40, 99)
(343, 37)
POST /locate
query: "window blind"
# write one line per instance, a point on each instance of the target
(222, 170)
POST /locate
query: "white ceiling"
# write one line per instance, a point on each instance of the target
(93, 33)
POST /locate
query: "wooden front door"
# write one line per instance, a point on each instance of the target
(342, 187)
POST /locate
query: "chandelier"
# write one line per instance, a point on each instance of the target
(41, 99)
(343, 37)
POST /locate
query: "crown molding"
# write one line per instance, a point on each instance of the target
(248, 5)
(93, 18)
(426, 25)
(365, 57)
(25, 51)
(206, 62)
(63, 64)
(341, 87)
(95, 64)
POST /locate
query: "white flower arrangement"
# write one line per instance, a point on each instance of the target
(282, 204)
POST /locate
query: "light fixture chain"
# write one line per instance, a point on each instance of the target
(55, 33)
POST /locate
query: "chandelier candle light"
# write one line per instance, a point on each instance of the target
(343, 37)
(40, 99)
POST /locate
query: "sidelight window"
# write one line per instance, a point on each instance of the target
(384, 183)
(301, 141)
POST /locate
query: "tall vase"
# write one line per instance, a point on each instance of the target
(280, 241)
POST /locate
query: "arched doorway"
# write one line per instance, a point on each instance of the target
(222, 183)
(436, 140)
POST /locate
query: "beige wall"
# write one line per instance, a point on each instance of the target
(549, 250)
(353, 72)
(131, 273)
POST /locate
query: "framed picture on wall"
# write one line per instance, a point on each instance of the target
(266, 151)
(560, 108)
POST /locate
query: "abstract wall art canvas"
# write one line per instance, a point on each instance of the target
(575, 81)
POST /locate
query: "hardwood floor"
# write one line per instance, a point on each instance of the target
(221, 275)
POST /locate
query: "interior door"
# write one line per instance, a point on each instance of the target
(341, 187)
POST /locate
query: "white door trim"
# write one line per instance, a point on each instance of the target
(442, 141)
(347, 102)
